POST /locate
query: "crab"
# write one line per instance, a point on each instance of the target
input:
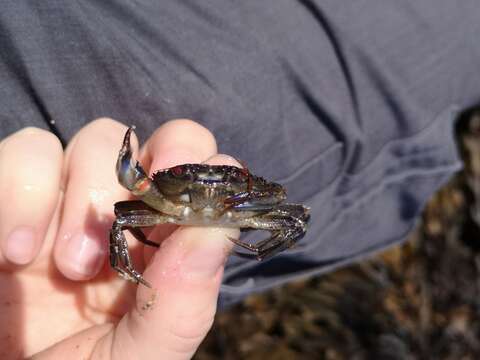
(201, 195)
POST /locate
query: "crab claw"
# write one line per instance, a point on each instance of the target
(129, 172)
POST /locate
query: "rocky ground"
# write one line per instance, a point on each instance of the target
(420, 300)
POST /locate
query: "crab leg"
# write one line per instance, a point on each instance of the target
(288, 239)
(253, 200)
(286, 230)
(140, 236)
(138, 208)
(279, 241)
(131, 219)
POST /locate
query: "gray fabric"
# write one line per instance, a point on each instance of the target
(350, 105)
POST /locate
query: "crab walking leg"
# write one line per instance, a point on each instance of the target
(286, 230)
(290, 238)
(120, 258)
(252, 200)
(135, 207)
(140, 236)
(293, 230)
(294, 210)
(278, 241)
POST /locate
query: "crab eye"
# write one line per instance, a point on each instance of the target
(177, 170)
(240, 174)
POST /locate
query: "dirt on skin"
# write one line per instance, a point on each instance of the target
(420, 300)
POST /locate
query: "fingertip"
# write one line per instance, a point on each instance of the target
(20, 246)
(30, 167)
(105, 130)
(180, 141)
(223, 159)
(21, 143)
(186, 130)
(80, 256)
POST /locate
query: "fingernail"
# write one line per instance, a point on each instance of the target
(204, 259)
(20, 245)
(84, 256)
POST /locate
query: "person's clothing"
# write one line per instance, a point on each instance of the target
(350, 105)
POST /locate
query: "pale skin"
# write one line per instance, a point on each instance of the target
(59, 298)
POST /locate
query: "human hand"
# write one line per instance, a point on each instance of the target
(56, 210)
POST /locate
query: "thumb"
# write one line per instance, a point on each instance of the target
(171, 319)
